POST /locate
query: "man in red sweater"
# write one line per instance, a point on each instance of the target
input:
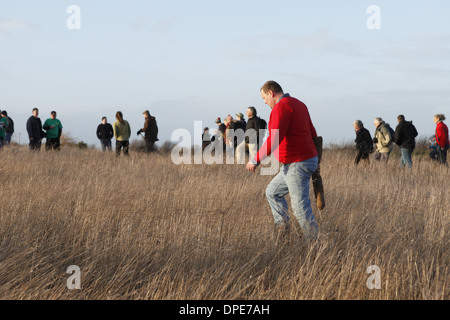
(291, 140)
(441, 138)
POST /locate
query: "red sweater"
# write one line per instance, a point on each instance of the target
(296, 133)
(442, 134)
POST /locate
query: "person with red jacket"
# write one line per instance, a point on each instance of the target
(291, 140)
(441, 138)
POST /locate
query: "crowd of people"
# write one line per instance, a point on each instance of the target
(404, 136)
(51, 130)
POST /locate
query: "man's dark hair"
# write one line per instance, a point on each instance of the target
(401, 118)
(104, 118)
(35, 109)
(253, 110)
(272, 86)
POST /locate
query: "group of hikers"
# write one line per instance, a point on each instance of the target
(291, 134)
(404, 136)
(121, 131)
(51, 130)
(244, 136)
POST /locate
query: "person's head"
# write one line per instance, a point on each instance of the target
(4, 113)
(229, 119)
(271, 92)
(53, 114)
(35, 112)
(218, 121)
(205, 129)
(377, 122)
(119, 116)
(146, 114)
(251, 112)
(104, 120)
(239, 116)
(438, 118)
(401, 118)
(358, 125)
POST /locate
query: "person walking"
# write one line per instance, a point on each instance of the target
(442, 139)
(53, 128)
(383, 140)
(105, 133)
(3, 128)
(122, 133)
(9, 129)
(405, 138)
(364, 143)
(291, 135)
(151, 131)
(34, 129)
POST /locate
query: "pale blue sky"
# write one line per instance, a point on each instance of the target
(189, 61)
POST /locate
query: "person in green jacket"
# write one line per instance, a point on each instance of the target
(3, 127)
(53, 128)
(122, 133)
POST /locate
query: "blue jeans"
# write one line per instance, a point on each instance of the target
(106, 144)
(294, 179)
(406, 157)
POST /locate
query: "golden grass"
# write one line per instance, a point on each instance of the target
(144, 228)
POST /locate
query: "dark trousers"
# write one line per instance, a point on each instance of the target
(53, 144)
(442, 155)
(106, 144)
(122, 145)
(149, 146)
(362, 155)
(35, 145)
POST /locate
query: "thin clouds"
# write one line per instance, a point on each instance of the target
(9, 25)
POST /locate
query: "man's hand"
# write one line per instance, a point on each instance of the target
(139, 132)
(251, 167)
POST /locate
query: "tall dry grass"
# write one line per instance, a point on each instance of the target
(144, 228)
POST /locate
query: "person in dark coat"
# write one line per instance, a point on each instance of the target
(364, 143)
(151, 131)
(34, 129)
(405, 138)
(105, 133)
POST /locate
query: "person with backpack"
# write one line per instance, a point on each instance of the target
(442, 139)
(3, 128)
(383, 140)
(405, 138)
(364, 143)
(9, 129)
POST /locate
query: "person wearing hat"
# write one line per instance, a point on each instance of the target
(9, 129)
(222, 130)
(53, 129)
(151, 131)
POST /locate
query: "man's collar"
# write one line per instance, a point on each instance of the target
(286, 95)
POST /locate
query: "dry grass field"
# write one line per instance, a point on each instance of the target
(144, 228)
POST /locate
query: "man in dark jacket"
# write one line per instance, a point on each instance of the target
(151, 131)
(364, 143)
(105, 133)
(405, 138)
(34, 129)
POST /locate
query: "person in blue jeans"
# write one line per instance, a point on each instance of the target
(405, 138)
(291, 140)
